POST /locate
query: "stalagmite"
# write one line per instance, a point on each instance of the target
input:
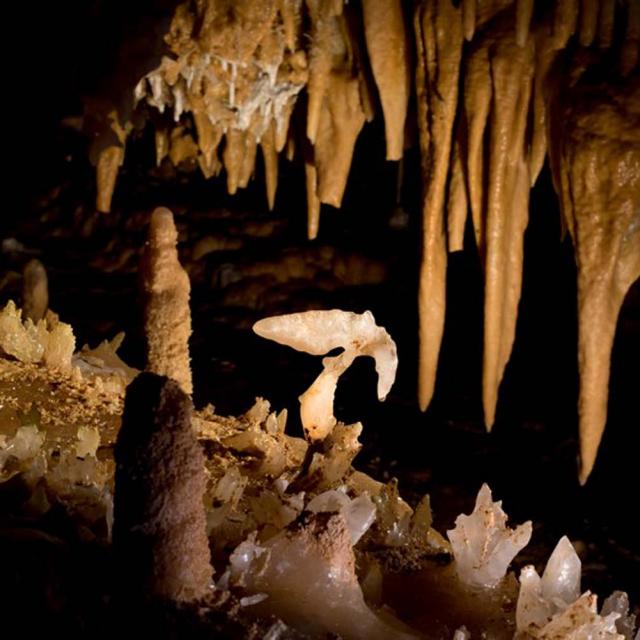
(35, 291)
(507, 209)
(167, 315)
(388, 49)
(159, 532)
(596, 163)
(439, 32)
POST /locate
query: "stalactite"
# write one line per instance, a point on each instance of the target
(596, 161)
(469, 18)
(439, 28)
(341, 120)
(477, 102)
(166, 290)
(270, 157)
(524, 11)
(630, 56)
(326, 38)
(388, 50)
(588, 21)
(457, 201)
(313, 202)
(234, 70)
(507, 209)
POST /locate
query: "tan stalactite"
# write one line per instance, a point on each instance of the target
(109, 164)
(457, 201)
(588, 21)
(524, 11)
(630, 56)
(469, 18)
(565, 19)
(477, 103)
(313, 202)
(597, 163)
(182, 146)
(606, 22)
(507, 209)
(326, 42)
(290, 14)
(235, 148)
(439, 30)
(248, 160)
(110, 157)
(162, 143)
(341, 120)
(549, 41)
(166, 290)
(270, 157)
(388, 49)
(209, 138)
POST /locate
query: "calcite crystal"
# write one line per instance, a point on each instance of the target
(159, 533)
(483, 546)
(48, 341)
(313, 558)
(317, 333)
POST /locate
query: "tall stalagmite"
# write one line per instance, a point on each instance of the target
(159, 532)
(166, 290)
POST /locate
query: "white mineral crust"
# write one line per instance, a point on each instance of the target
(551, 608)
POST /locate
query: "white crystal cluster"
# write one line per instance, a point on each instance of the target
(270, 97)
(317, 333)
(483, 546)
(49, 342)
(551, 607)
(306, 574)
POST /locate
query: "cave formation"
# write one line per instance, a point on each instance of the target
(498, 87)
(483, 100)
